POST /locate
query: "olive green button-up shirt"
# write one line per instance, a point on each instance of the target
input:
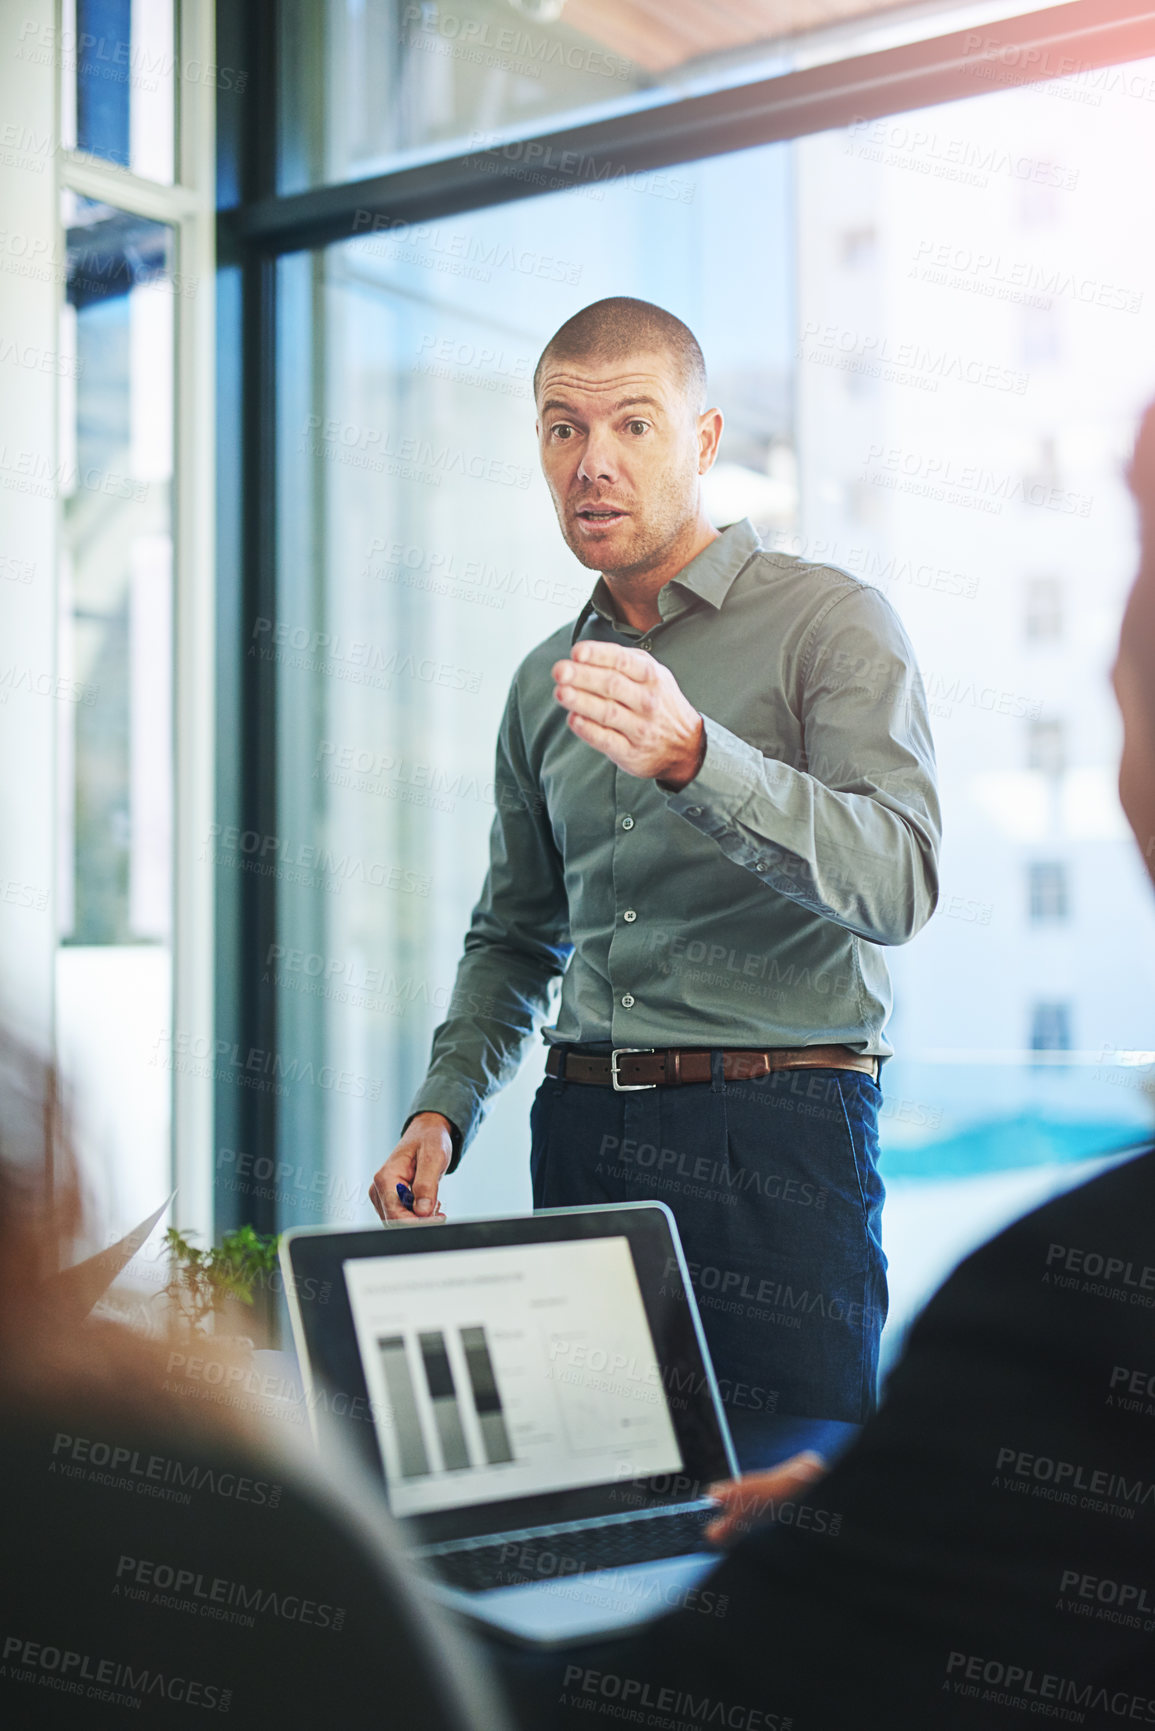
(750, 908)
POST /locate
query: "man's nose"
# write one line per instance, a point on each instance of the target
(597, 462)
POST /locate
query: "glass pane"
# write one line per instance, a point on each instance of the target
(974, 293)
(118, 71)
(366, 83)
(115, 661)
(420, 560)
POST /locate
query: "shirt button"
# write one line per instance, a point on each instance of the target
(760, 865)
(627, 823)
(693, 811)
(628, 1001)
(629, 916)
(645, 643)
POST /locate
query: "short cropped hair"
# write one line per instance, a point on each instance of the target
(614, 329)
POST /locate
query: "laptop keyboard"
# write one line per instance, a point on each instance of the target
(554, 1555)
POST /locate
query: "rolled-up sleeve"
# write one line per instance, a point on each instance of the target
(517, 944)
(852, 833)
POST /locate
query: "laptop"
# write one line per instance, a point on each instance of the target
(537, 1397)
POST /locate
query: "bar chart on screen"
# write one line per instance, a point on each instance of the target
(505, 1372)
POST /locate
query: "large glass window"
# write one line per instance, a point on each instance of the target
(115, 686)
(922, 332)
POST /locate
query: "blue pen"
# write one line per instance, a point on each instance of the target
(406, 1196)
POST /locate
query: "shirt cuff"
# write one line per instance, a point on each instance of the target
(723, 784)
(435, 1100)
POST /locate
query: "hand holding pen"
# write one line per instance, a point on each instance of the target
(406, 1187)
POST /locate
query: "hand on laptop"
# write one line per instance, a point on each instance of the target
(754, 1496)
(419, 1161)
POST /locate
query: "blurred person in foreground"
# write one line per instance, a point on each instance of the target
(167, 1560)
(986, 1555)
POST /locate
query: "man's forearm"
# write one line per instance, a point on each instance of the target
(867, 861)
(499, 998)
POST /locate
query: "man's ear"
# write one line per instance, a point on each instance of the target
(709, 438)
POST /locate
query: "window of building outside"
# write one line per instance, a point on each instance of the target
(1044, 613)
(1047, 747)
(1051, 1028)
(1048, 891)
(865, 305)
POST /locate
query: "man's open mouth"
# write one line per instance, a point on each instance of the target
(599, 513)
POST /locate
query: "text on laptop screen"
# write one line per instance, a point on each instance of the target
(509, 1371)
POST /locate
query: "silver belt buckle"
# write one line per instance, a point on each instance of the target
(627, 1087)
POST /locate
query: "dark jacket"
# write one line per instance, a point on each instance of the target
(987, 1551)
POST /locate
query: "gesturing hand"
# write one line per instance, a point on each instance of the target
(627, 705)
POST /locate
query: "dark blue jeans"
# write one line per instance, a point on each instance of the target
(774, 1185)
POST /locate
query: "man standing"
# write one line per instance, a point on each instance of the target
(715, 801)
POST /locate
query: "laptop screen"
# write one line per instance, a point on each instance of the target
(509, 1371)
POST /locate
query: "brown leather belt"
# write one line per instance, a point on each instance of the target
(631, 1067)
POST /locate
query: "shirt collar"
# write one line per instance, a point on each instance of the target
(709, 577)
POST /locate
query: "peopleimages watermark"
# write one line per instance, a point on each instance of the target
(482, 366)
(739, 1292)
(608, 1370)
(118, 1466)
(924, 150)
(355, 658)
(507, 46)
(43, 477)
(306, 1185)
(718, 1174)
(1132, 1390)
(306, 863)
(1045, 1692)
(1124, 1603)
(38, 259)
(589, 1583)
(537, 163)
(37, 360)
(1040, 69)
(457, 252)
(176, 1587)
(117, 1682)
(346, 981)
(267, 1072)
(15, 893)
(969, 484)
(13, 570)
(61, 687)
(871, 355)
(1098, 1489)
(1023, 281)
(584, 1687)
(117, 60)
(405, 456)
(440, 572)
(1097, 1274)
(379, 772)
(873, 566)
